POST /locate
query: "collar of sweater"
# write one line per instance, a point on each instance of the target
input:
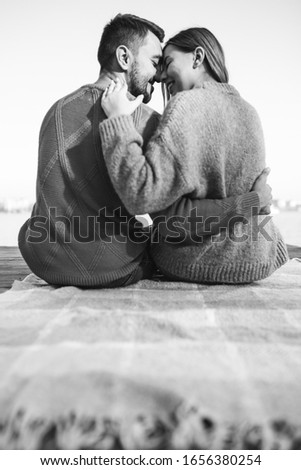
(102, 88)
(224, 87)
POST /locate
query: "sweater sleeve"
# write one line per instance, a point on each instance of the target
(190, 219)
(151, 180)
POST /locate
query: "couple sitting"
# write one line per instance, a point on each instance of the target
(199, 171)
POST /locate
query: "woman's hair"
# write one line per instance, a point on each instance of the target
(188, 39)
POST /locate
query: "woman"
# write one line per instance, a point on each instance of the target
(209, 144)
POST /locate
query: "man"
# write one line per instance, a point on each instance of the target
(79, 232)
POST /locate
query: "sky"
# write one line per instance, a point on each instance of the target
(49, 49)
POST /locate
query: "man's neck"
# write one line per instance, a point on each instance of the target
(106, 76)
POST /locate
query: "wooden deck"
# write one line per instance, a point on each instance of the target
(12, 265)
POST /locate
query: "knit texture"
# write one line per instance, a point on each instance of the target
(217, 152)
(76, 234)
(188, 220)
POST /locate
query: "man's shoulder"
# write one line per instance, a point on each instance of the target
(148, 114)
(81, 97)
(146, 120)
(84, 92)
(148, 111)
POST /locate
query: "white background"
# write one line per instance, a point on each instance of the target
(49, 48)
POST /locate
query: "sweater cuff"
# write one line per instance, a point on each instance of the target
(249, 204)
(111, 127)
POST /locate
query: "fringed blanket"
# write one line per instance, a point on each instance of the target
(156, 365)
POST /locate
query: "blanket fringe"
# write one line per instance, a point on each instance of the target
(188, 428)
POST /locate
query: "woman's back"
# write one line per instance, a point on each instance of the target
(223, 139)
(208, 144)
(219, 136)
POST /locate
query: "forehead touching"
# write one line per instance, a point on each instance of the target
(151, 47)
(171, 51)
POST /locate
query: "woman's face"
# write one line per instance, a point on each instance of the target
(178, 73)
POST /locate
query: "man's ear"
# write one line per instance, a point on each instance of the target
(123, 57)
(198, 56)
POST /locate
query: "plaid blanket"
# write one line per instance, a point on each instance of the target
(155, 365)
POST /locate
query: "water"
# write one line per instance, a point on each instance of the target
(289, 224)
(10, 224)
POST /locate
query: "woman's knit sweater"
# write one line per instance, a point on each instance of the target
(209, 144)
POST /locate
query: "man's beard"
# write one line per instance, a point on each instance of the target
(138, 84)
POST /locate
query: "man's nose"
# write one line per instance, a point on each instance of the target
(162, 75)
(157, 77)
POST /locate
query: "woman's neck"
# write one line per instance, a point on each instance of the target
(204, 77)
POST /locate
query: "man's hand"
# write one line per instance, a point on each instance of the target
(264, 191)
(115, 102)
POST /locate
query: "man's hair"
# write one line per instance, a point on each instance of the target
(128, 30)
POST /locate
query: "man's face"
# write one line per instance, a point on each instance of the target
(144, 69)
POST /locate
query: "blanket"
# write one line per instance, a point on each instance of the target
(155, 365)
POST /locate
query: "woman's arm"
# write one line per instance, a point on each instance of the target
(151, 180)
(154, 180)
(145, 181)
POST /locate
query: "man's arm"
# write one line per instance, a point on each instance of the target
(190, 219)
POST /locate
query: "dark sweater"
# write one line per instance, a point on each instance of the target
(95, 243)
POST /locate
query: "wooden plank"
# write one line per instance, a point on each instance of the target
(294, 251)
(12, 265)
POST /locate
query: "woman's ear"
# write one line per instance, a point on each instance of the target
(198, 56)
(123, 57)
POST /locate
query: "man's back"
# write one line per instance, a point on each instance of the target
(80, 232)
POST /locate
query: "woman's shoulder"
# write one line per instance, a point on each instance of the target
(201, 101)
(181, 104)
(205, 93)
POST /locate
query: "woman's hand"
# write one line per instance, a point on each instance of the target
(264, 191)
(115, 102)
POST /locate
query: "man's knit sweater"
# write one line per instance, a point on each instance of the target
(209, 144)
(79, 232)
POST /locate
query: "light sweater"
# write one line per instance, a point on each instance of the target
(209, 144)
